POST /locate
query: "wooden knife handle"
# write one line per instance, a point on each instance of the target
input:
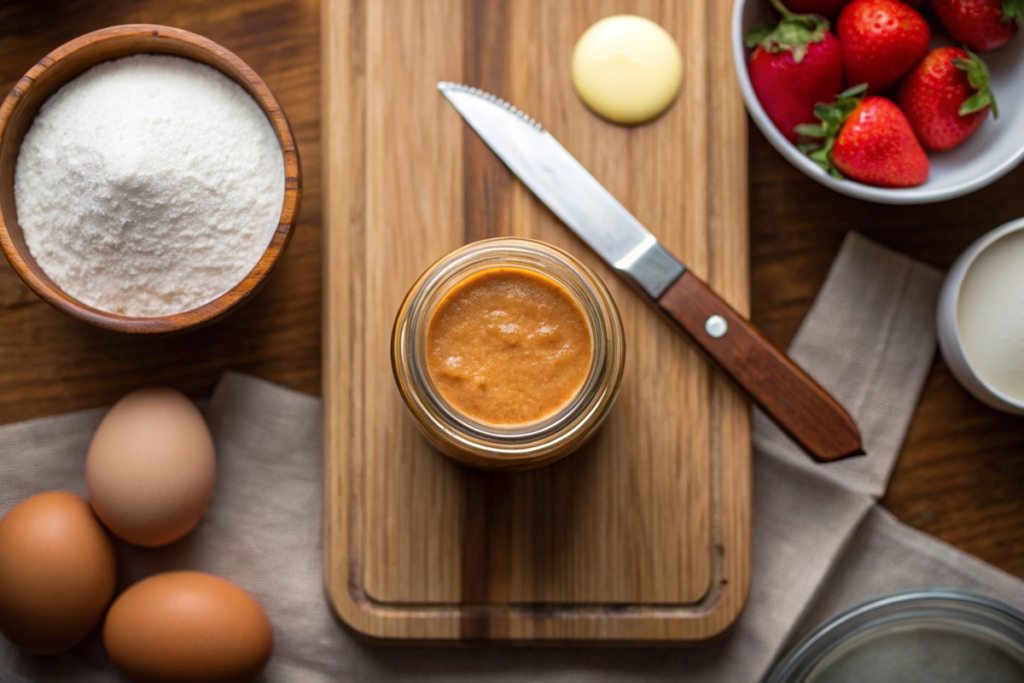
(785, 392)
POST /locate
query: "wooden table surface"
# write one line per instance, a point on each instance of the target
(961, 475)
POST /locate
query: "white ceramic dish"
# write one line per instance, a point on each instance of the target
(950, 342)
(994, 150)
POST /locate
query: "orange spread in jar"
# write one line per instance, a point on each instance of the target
(508, 346)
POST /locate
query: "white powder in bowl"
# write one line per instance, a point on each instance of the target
(149, 185)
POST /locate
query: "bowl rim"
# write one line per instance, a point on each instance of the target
(851, 188)
(882, 610)
(949, 311)
(257, 89)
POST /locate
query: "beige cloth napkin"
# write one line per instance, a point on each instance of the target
(821, 542)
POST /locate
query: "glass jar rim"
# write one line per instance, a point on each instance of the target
(890, 610)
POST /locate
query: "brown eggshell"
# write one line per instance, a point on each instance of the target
(57, 572)
(151, 467)
(187, 626)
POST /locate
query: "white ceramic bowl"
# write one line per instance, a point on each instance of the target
(994, 150)
(950, 342)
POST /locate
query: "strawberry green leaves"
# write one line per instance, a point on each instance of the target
(1013, 10)
(821, 137)
(977, 75)
(793, 33)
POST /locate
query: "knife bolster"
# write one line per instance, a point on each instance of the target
(650, 267)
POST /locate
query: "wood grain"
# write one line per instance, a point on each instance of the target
(487, 513)
(962, 467)
(64, 64)
(643, 535)
(787, 394)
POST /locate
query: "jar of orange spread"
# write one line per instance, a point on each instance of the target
(509, 353)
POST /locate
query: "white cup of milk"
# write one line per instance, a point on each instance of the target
(981, 318)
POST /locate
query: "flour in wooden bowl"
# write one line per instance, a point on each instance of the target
(149, 185)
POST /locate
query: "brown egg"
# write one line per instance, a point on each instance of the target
(151, 467)
(57, 572)
(187, 626)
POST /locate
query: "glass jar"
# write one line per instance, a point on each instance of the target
(500, 447)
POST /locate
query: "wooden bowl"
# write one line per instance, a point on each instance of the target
(67, 62)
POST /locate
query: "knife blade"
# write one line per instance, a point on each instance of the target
(782, 389)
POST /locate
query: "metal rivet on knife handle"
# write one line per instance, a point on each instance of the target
(716, 326)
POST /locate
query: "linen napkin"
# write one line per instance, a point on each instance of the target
(821, 542)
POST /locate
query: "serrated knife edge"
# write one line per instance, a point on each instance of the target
(553, 175)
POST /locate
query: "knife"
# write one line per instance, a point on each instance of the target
(786, 393)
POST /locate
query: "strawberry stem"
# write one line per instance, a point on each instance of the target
(978, 77)
(1013, 10)
(793, 33)
(780, 8)
(818, 139)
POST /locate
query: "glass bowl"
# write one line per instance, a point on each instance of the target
(916, 636)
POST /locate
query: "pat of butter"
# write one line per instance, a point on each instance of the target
(627, 69)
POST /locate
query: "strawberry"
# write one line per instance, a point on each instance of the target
(946, 97)
(826, 8)
(882, 40)
(868, 139)
(795, 65)
(980, 24)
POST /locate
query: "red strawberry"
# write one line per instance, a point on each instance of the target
(797, 64)
(946, 97)
(981, 24)
(826, 8)
(882, 40)
(868, 140)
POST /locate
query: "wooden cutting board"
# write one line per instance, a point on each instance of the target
(644, 534)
